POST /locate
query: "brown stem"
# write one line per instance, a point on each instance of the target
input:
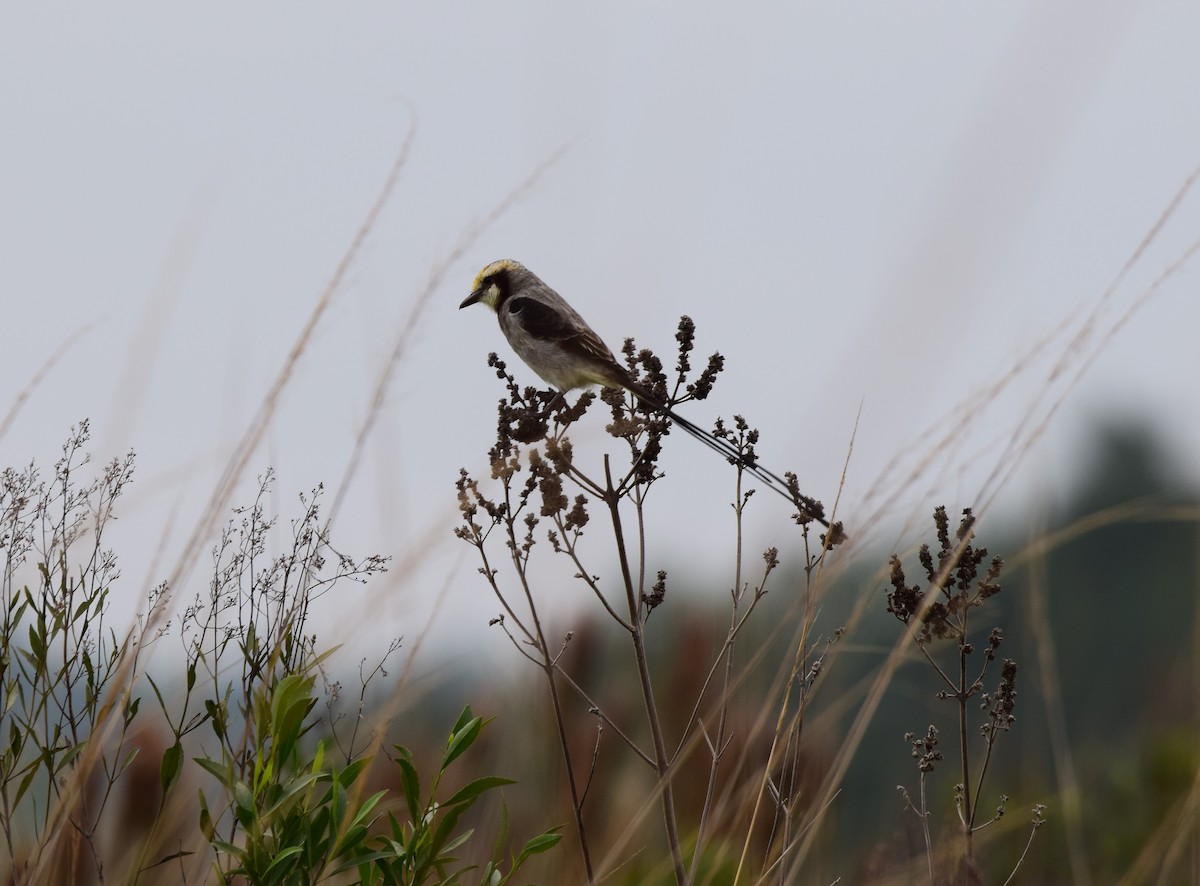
(547, 666)
(968, 818)
(637, 632)
(723, 720)
(576, 802)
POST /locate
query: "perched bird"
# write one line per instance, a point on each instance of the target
(556, 343)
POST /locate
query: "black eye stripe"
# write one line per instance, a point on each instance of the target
(502, 280)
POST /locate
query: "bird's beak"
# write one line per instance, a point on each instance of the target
(472, 299)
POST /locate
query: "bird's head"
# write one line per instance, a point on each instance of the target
(497, 282)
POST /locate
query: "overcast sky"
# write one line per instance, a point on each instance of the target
(862, 205)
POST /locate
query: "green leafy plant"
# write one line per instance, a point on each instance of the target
(420, 849)
(298, 815)
(301, 818)
(292, 804)
(63, 669)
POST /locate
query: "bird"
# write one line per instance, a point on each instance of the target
(558, 344)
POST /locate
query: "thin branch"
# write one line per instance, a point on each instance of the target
(662, 766)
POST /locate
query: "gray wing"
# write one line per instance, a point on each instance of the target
(545, 322)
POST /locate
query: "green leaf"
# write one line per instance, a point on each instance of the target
(358, 825)
(349, 842)
(37, 649)
(461, 739)
(17, 606)
(539, 844)
(245, 803)
(457, 841)
(290, 704)
(13, 697)
(350, 774)
(24, 786)
(216, 713)
(69, 757)
(293, 788)
(320, 834)
(207, 827)
(264, 773)
(501, 831)
(445, 829)
(410, 781)
(396, 828)
(89, 667)
(281, 863)
(359, 860)
(221, 771)
(171, 767)
(490, 876)
(129, 758)
(337, 806)
(365, 809)
(131, 710)
(322, 657)
(230, 849)
(470, 792)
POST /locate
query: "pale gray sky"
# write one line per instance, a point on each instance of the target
(858, 203)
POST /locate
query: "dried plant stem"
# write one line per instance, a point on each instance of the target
(637, 634)
(548, 665)
(1037, 823)
(790, 723)
(925, 831)
(717, 747)
(549, 668)
(966, 813)
(572, 551)
(38, 377)
(604, 718)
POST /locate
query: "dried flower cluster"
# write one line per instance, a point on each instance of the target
(941, 610)
(954, 577)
